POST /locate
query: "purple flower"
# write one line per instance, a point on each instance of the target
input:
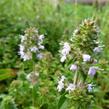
(86, 57)
(41, 37)
(34, 49)
(41, 47)
(73, 67)
(65, 51)
(71, 87)
(40, 56)
(90, 87)
(61, 84)
(97, 49)
(92, 71)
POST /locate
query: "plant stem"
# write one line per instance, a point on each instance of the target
(75, 78)
(33, 101)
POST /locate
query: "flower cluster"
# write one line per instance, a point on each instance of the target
(31, 42)
(90, 87)
(32, 77)
(61, 85)
(86, 57)
(98, 49)
(65, 51)
(85, 37)
(71, 87)
(82, 52)
(73, 67)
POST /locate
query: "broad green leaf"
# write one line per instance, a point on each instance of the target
(62, 102)
(7, 73)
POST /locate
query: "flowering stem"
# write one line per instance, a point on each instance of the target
(75, 78)
(33, 100)
(33, 88)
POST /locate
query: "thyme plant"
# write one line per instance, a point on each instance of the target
(79, 58)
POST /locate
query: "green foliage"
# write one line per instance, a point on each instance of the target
(8, 103)
(7, 73)
(56, 23)
(83, 42)
(9, 52)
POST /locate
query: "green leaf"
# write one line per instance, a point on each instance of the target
(7, 73)
(62, 104)
(8, 103)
